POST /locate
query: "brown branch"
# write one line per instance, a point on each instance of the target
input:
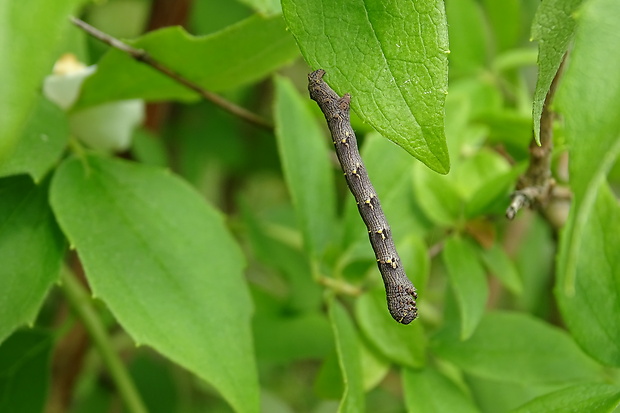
(400, 292)
(535, 187)
(142, 56)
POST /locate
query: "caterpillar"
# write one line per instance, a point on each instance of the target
(400, 293)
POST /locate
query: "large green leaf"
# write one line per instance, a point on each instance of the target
(589, 98)
(44, 138)
(166, 266)
(591, 313)
(305, 160)
(591, 398)
(429, 391)
(240, 54)
(391, 56)
(468, 281)
(348, 348)
(30, 32)
(553, 27)
(31, 251)
(517, 348)
(24, 361)
(404, 345)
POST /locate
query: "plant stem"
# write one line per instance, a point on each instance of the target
(142, 56)
(81, 303)
(536, 186)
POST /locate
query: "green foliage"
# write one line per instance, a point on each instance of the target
(235, 56)
(23, 70)
(397, 70)
(429, 391)
(224, 267)
(593, 398)
(554, 27)
(113, 211)
(305, 163)
(467, 277)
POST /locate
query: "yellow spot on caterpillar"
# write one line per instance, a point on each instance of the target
(380, 232)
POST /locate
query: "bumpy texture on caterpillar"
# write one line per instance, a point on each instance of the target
(400, 292)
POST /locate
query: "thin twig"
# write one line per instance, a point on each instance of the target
(82, 305)
(142, 56)
(536, 186)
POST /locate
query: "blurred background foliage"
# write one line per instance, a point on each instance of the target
(319, 324)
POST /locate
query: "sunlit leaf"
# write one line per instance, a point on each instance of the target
(391, 56)
(591, 398)
(518, 348)
(591, 311)
(166, 266)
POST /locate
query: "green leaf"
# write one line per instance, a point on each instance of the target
(589, 97)
(591, 313)
(492, 197)
(265, 7)
(479, 169)
(553, 27)
(27, 56)
(240, 54)
(166, 266)
(24, 366)
(404, 345)
(304, 294)
(429, 391)
(591, 398)
(505, 20)
(374, 366)
(468, 281)
(305, 161)
(468, 37)
(502, 267)
(518, 348)
(437, 196)
(31, 251)
(347, 346)
(391, 56)
(43, 140)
